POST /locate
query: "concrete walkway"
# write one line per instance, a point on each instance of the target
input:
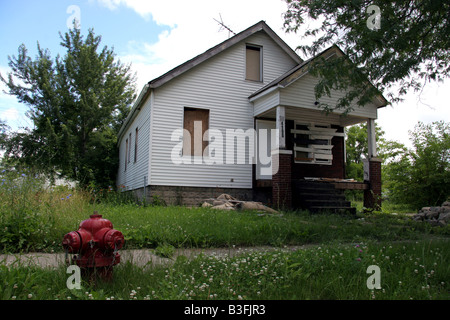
(139, 257)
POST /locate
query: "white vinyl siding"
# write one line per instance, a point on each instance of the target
(136, 162)
(266, 102)
(301, 94)
(218, 85)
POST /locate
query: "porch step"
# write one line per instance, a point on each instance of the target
(319, 196)
(306, 185)
(312, 196)
(327, 203)
(337, 210)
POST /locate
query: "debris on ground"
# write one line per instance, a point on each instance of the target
(436, 216)
(227, 202)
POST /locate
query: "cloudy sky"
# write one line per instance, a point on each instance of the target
(157, 35)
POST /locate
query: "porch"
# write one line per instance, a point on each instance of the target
(308, 158)
(308, 143)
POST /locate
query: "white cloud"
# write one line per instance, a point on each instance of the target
(11, 111)
(433, 104)
(193, 29)
(110, 4)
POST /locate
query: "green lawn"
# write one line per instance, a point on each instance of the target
(410, 270)
(413, 257)
(181, 227)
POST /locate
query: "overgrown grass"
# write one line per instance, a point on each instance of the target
(33, 218)
(200, 227)
(181, 227)
(409, 270)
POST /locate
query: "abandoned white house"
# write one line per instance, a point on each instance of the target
(210, 125)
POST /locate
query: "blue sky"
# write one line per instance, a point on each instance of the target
(157, 35)
(28, 21)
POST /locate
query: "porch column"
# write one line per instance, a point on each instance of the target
(281, 178)
(371, 137)
(281, 165)
(281, 127)
(372, 170)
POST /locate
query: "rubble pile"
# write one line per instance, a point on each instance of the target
(227, 202)
(436, 216)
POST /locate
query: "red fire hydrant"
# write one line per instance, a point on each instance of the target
(95, 246)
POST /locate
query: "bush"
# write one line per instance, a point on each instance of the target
(34, 217)
(21, 225)
(421, 175)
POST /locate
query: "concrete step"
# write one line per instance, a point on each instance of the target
(327, 203)
(322, 196)
(337, 210)
(312, 185)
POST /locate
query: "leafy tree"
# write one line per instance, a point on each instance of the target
(406, 47)
(4, 128)
(357, 148)
(421, 176)
(77, 105)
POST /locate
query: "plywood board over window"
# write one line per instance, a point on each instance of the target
(196, 124)
(312, 143)
(253, 63)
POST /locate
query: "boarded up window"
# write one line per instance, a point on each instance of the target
(196, 123)
(253, 63)
(312, 143)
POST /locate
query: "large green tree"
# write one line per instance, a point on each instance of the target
(395, 45)
(420, 176)
(77, 104)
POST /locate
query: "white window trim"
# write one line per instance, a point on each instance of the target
(195, 158)
(261, 75)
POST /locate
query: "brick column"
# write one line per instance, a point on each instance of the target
(281, 179)
(372, 196)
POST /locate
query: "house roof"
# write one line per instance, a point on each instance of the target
(300, 70)
(175, 72)
(260, 26)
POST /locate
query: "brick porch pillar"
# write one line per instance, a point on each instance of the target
(281, 178)
(372, 174)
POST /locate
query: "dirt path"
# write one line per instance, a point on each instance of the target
(140, 257)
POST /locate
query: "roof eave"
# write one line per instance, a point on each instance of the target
(260, 26)
(135, 109)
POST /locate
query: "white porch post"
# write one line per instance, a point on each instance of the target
(281, 127)
(371, 137)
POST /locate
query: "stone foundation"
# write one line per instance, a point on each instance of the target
(189, 196)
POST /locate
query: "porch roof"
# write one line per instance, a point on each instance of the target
(285, 91)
